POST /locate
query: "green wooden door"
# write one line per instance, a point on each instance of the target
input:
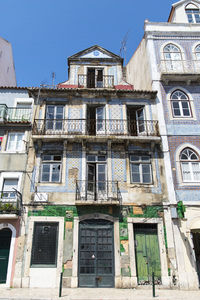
(5, 239)
(147, 253)
(96, 255)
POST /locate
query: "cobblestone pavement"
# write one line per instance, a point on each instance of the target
(96, 294)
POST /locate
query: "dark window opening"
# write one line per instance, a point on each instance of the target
(94, 78)
(45, 240)
(135, 119)
(95, 120)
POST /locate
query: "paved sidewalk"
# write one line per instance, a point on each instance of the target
(96, 294)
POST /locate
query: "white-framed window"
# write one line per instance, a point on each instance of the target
(193, 13)
(180, 104)
(51, 168)
(173, 58)
(54, 117)
(140, 167)
(190, 165)
(9, 188)
(9, 183)
(197, 52)
(15, 141)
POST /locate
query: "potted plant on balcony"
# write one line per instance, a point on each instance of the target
(7, 208)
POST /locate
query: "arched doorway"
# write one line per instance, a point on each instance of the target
(96, 253)
(5, 240)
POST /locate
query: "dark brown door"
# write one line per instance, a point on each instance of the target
(90, 78)
(196, 241)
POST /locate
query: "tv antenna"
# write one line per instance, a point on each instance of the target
(53, 76)
(123, 47)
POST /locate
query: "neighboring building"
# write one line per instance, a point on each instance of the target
(15, 129)
(168, 61)
(7, 73)
(98, 204)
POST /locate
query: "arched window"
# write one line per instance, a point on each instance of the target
(180, 104)
(172, 57)
(193, 13)
(197, 52)
(190, 165)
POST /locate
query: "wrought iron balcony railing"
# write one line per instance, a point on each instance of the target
(102, 191)
(96, 127)
(106, 81)
(14, 114)
(9, 202)
(180, 66)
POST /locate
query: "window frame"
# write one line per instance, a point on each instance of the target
(189, 162)
(197, 51)
(180, 104)
(141, 162)
(51, 163)
(191, 11)
(10, 175)
(15, 141)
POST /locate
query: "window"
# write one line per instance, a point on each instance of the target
(23, 111)
(140, 169)
(197, 52)
(173, 58)
(192, 13)
(54, 117)
(9, 186)
(51, 168)
(45, 240)
(135, 118)
(96, 173)
(190, 165)
(180, 104)
(94, 78)
(15, 141)
(96, 123)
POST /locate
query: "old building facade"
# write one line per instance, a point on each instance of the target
(98, 207)
(168, 57)
(7, 74)
(15, 129)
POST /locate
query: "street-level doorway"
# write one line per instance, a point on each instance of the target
(96, 253)
(196, 242)
(5, 240)
(147, 253)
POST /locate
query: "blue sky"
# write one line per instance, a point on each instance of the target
(43, 33)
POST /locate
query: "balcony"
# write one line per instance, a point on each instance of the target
(97, 192)
(14, 114)
(97, 128)
(106, 81)
(180, 70)
(9, 203)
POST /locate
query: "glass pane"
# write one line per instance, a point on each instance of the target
(186, 172)
(102, 158)
(186, 112)
(135, 172)
(91, 158)
(45, 172)
(135, 158)
(55, 172)
(9, 184)
(177, 112)
(145, 158)
(196, 171)
(175, 104)
(19, 143)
